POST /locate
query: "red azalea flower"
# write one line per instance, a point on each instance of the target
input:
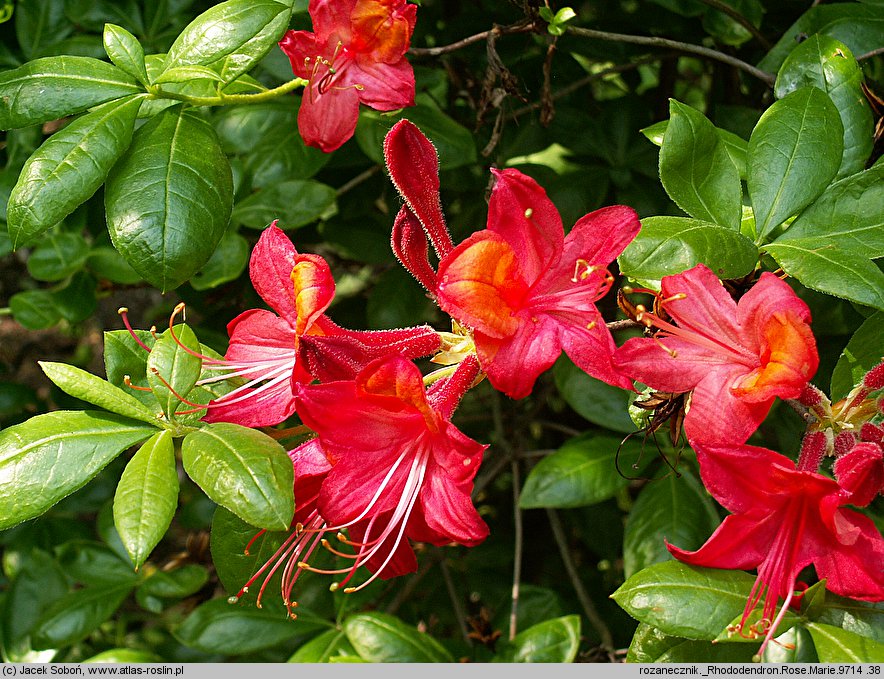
(736, 357)
(356, 53)
(860, 472)
(401, 470)
(783, 519)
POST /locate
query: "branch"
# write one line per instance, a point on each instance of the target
(869, 55)
(479, 37)
(740, 19)
(767, 78)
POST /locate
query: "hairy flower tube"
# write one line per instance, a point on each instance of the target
(784, 518)
(355, 53)
(401, 470)
(735, 358)
(524, 289)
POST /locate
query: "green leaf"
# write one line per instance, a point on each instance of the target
(107, 264)
(69, 167)
(226, 264)
(670, 245)
(696, 169)
(173, 367)
(676, 509)
(76, 301)
(124, 656)
(795, 645)
(592, 399)
(736, 147)
(794, 152)
(862, 353)
(281, 155)
(727, 30)
(123, 356)
(554, 641)
(125, 51)
(39, 23)
(827, 268)
(146, 497)
(847, 213)
(222, 30)
(92, 389)
(92, 563)
(183, 74)
(168, 199)
(840, 646)
(828, 64)
(176, 584)
(685, 601)
(582, 472)
(54, 87)
(295, 203)
(34, 309)
(381, 637)
(58, 256)
(860, 617)
(219, 627)
(76, 615)
(327, 647)
(50, 456)
(651, 645)
(243, 470)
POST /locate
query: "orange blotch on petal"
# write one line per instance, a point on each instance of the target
(381, 27)
(314, 290)
(401, 381)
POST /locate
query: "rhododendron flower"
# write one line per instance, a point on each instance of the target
(401, 470)
(736, 357)
(356, 53)
(783, 519)
(860, 471)
(265, 347)
(525, 290)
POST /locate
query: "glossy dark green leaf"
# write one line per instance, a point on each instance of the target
(147, 497)
(107, 264)
(241, 128)
(651, 645)
(220, 627)
(862, 353)
(243, 470)
(860, 617)
(77, 300)
(381, 637)
(58, 256)
(173, 367)
(794, 152)
(74, 616)
(329, 646)
(729, 31)
(222, 30)
(39, 23)
(551, 641)
(186, 74)
(828, 64)
(54, 87)
(582, 472)
(226, 264)
(88, 387)
(674, 509)
(592, 399)
(69, 167)
(685, 601)
(125, 51)
(795, 645)
(92, 563)
(696, 170)
(827, 268)
(282, 155)
(295, 203)
(176, 584)
(34, 309)
(670, 245)
(848, 214)
(52, 455)
(168, 199)
(835, 645)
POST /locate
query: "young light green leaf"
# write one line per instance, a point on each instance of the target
(146, 497)
(675, 509)
(50, 456)
(58, 256)
(828, 64)
(670, 245)
(835, 645)
(168, 199)
(685, 601)
(696, 169)
(555, 640)
(92, 389)
(73, 617)
(243, 470)
(54, 87)
(69, 167)
(125, 51)
(794, 152)
(381, 637)
(848, 274)
(173, 367)
(222, 30)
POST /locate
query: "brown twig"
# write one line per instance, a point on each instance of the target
(649, 41)
(869, 55)
(740, 19)
(625, 324)
(521, 27)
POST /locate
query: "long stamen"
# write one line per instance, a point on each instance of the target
(124, 314)
(652, 320)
